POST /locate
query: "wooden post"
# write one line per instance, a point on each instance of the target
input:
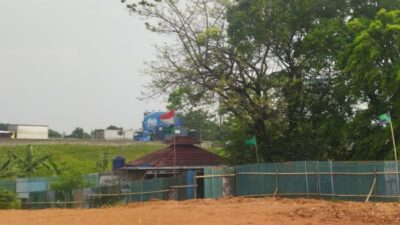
(174, 153)
(332, 185)
(236, 182)
(372, 188)
(305, 168)
(395, 159)
(276, 184)
(318, 180)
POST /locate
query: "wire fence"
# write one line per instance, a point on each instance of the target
(38, 193)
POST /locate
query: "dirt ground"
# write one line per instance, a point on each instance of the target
(266, 211)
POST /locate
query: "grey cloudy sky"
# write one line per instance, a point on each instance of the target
(69, 63)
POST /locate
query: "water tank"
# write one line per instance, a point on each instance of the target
(118, 162)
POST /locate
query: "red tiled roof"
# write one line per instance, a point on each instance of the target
(187, 154)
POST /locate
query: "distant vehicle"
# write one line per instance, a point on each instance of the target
(140, 136)
(7, 134)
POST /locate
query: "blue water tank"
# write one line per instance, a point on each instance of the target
(118, 162)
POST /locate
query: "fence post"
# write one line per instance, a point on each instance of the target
(305, 167)
(332, 185)
(141, 191)
(190, 180)
(318, 180)
(372, 188)
(276, 184)
(236, 182)
(212, 182)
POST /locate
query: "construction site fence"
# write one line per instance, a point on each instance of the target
(357, 181)
(38, 194)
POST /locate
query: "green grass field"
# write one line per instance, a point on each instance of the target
(82, 157)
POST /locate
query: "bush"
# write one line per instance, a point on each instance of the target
(8, 199)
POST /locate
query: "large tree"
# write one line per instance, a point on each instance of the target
(271, 65)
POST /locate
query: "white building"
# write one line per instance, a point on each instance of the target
(24, 131)
(114, 134)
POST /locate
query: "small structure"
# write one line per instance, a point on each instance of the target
(179, 156)
(113, 134)
(24, 131)
(7, 134)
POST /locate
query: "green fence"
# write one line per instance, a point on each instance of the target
(8, 184)
(180, 187)
(219, 182)
(359, 181)
(336, 180)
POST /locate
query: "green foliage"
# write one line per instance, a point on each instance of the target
(68, 182)
(54, 134)
(176, 99)
(79, 133)
(372, 63)
(4, 126)
(203, 124)
(27, 164)
(8, 200)
(103, 163)
(209, 33)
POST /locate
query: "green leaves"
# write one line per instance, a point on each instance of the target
(26, 165)
(372, 59)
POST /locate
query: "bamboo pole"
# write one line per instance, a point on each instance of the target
(320, 173)
(332, 185)
(370, 191)
(395, 158)
(174, 152)
(129, 193)
(276, 184)
(326, 195)
(216, 175)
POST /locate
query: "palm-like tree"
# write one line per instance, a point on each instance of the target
(29, 163)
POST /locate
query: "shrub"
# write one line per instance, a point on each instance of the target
(8, 199)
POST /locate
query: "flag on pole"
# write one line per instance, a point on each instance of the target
(251, 141)
(169, 130)
(168, 118)
(384, 119)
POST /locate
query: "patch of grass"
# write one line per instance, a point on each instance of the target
(82, 157)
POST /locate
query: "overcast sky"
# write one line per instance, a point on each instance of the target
(69, 63)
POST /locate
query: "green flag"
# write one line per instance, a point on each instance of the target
(169, 130)
(251, 141)
(385, 118)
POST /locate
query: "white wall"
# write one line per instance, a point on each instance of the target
(30, 132)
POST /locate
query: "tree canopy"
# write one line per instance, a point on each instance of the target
(307, 78)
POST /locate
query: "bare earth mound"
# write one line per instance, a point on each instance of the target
(221, 211)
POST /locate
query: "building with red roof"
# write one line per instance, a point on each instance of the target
(187, 155)
(181, 154)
